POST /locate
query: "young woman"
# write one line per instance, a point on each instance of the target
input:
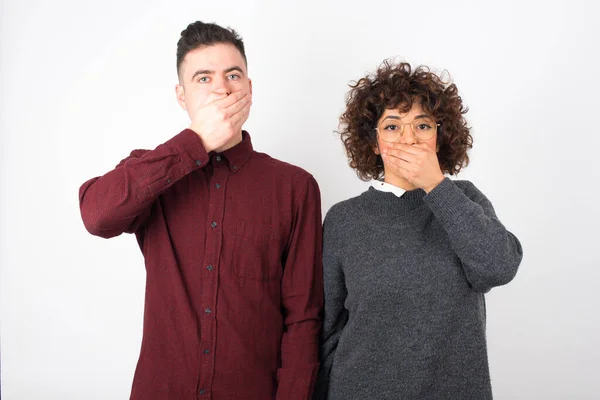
(406, 264)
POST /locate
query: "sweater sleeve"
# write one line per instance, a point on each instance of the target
(335, 315)
(489, 253)
(120, 200)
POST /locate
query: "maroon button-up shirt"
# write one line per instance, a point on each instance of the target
(232, 247)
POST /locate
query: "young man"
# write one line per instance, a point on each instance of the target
(231, 240)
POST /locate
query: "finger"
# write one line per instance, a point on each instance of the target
(401, 154)
(405, 166)
(238, 106)
(214, 97)
(390, 158)
(412, 149)
(400, 166)
(241, 116)
(424, 146)
(232, 99)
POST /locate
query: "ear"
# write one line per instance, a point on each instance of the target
(180, 93)
(250, 82)
(376, 149)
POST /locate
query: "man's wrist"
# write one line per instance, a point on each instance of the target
(208, 148)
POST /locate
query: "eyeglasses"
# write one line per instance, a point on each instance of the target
(423, 129)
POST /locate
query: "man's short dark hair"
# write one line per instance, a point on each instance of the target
(199, 34)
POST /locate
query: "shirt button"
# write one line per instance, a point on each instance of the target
(202, 391)
(214, 224)
(217, 186)
(198, 162)
(218, 158)
(234, 167)
(209, 267)
(208, 311)
(206, 351)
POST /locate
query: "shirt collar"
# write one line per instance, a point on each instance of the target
(388, 187)
(240, 153)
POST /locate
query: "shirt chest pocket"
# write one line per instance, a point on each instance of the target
(257, 251)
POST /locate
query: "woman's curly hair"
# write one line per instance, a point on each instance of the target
(396, 86)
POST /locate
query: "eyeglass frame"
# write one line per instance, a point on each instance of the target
(401, 133)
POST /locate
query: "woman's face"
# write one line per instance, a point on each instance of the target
(412, 127)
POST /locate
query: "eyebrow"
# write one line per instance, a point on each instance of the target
(211, 72)
(398, 118)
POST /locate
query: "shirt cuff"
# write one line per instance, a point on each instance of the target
(295, 383)
(189, 146)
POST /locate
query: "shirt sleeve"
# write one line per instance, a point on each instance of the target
(489, 253)
(302, 298)
(335, 314)
(120, 200)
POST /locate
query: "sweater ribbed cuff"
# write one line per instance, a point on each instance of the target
(449, 203)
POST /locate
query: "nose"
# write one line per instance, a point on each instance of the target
(221, 90)
(221, 86)
(408, 135)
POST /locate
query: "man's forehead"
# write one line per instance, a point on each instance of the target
(217, 58)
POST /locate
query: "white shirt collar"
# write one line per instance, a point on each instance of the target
(388, 187)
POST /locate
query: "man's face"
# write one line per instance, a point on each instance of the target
(209, 73)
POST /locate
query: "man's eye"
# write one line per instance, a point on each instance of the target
(234, 77)
(423, 127)
(203, 79)
(391, 127)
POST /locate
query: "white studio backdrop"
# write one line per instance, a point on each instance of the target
(83, 83)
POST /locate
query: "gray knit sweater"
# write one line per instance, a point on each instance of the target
(404, 294)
